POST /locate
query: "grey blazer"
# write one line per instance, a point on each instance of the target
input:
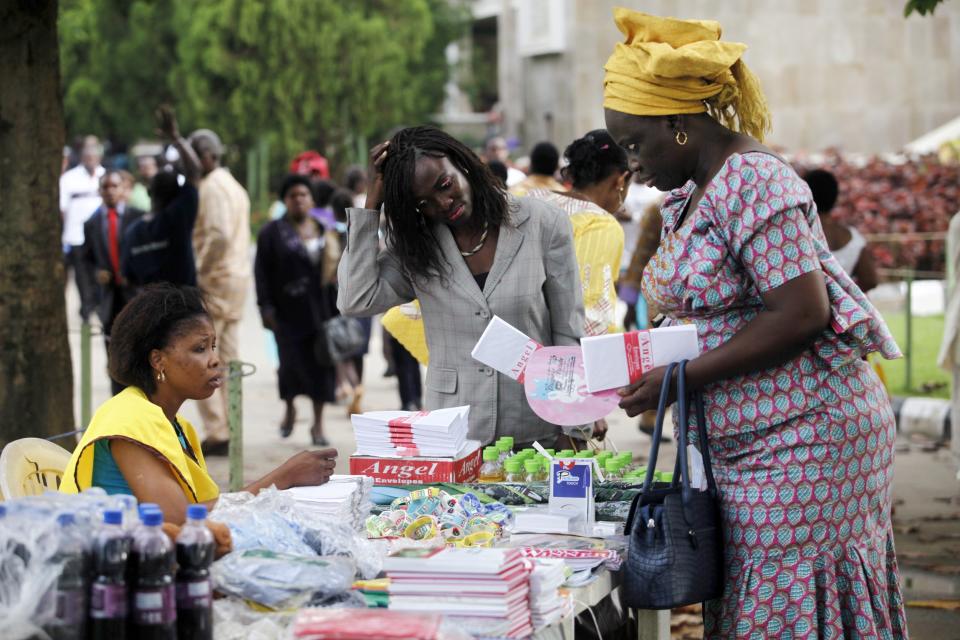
(534, 284)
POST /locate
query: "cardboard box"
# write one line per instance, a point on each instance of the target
(571, 491)
(616, 360)
(420, 470)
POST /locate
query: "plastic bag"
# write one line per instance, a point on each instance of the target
(282, 580)
(233, 619)
(271, 520)
(30, 565)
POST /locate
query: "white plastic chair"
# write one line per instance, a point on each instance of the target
(30, 466)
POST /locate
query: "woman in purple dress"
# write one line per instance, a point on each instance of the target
(800, 429)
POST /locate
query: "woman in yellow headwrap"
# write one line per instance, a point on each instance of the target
(800, 428)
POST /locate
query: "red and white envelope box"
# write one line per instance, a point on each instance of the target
(615, 360)
(421, 470)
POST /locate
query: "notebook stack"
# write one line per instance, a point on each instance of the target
(547, 605)
(430, 434)
(485, 591)
(343, 499)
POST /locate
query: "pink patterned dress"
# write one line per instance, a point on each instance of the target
(803, 452)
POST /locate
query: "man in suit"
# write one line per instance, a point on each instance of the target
(103, 235)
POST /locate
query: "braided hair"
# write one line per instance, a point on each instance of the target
(408, 233)
(593, 158)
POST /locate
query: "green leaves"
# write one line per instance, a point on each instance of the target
(302, 74)
(923, 7)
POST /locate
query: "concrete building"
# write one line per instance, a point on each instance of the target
(854, 74)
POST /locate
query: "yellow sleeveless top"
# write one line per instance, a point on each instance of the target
(130, 415)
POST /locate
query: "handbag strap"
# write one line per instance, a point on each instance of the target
(654, 447)
(658, 427)
(704, 443)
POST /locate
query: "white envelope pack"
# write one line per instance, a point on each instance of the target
(504, 348)
(618, 359)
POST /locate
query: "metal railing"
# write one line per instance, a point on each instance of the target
(909, 276)
(236, 372)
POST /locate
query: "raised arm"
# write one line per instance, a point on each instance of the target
(167, 127)
(370, 281)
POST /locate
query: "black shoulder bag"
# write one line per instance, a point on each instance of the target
(675, 554)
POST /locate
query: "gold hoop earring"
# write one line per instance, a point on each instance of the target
(681, 138)
(161, 377)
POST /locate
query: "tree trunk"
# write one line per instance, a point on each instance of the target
(36, 379)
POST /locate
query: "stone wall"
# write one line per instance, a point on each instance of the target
(849, 73)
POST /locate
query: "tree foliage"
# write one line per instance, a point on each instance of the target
(923, 7)
(301, 74)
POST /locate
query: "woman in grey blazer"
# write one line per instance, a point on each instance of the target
(467, 251)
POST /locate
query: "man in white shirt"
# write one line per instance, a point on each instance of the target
(221, 245)
(496, 149)
(79, 199)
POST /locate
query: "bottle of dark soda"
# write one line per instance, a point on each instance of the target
(108, 593)
(154, 598)
(195, 547)
(68, 596)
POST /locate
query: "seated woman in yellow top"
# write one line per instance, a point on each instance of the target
(163, 347)
(597, 168)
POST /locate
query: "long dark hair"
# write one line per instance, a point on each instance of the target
(408, 234)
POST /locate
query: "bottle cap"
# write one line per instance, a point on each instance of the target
(613, 465)
(532, 465)
(566, 453)
(547, 464)
(503, 446)
(152, 518)
(603, 455)
(552, 452)
(507, 439)
(490, 454)
(113, 516)
(197, 511)
(625, 455)
(66, 518)
(512, 465)
(147, 506)
(124, 501)
(585, 454)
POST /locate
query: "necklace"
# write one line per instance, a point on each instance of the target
(483, 239)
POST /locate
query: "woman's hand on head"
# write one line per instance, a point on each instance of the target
(378, 156)
(306, 469)
(644, 394)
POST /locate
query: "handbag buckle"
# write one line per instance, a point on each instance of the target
(651, 524)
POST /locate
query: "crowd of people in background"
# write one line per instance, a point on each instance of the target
(183, 218)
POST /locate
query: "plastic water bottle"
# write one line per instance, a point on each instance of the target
(108, 593)
(70, 591)
(154, 598)
(128, 504)
(195, 547)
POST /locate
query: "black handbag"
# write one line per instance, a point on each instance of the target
(675, 554)
(345, 337)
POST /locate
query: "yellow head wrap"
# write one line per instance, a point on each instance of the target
(668, 66)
